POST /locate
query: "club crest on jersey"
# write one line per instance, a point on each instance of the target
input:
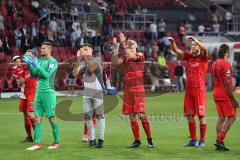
(51, 66)
(228, 73)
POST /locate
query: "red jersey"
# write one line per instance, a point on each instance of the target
(30, 83)
(133, 71)
(221, 70)
(196, 70)
(18, 71)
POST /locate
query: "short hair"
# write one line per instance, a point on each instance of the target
(132, 39)
(86, 45)
(49, 43)
(222, 50)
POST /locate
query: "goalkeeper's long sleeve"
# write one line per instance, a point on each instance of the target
(33, 71)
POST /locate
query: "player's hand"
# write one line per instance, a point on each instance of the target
(35, 62)
(171, 39)
(237, 90)
(191, 38)
(122, 38)
(235, 104)
(79, 56)
(27, 59)
(116, 45)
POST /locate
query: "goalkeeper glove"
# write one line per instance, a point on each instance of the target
(27, 59)
(35, 62)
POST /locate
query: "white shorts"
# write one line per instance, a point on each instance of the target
(93, 107)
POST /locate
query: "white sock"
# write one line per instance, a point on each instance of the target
(101, 128)
(90, 127)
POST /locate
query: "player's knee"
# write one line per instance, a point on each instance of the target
(232, 119)
(37, 120)
(190, 118)
(133, 116)
(99, 116)
(87, 117)
(52, 119)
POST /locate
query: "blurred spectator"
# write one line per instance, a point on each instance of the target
(201, 29)
(62, 33)
(228, 19)
(154, 71)
(215, 54)
(166, 43)
(25, 37)
(161, 60)
(214, 13)
(181, 31)
(1, 49)
(6, 46)
(74, 11)
(155, 51)
(87, 7)
(75, 35)
(50, 35)
(148, 35)
(75, 24)
(34, 34)
(84, 26)
(178, 72)
(99, 20)
(18, 37)
(188, 27)
(238, 73)
(107, 26)
(70, 83)
(53, 24)
(191, 17)
(1, 22)
(144, 10)
(43, 11)
(161, 28)
(216, 27)
(153, 29)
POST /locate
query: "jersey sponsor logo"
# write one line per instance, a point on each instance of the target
(195, 65)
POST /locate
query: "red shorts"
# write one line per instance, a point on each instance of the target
(134, 100)
(26, 104)
(195, 102)
(225, 108)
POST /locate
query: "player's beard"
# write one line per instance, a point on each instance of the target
(43, 54)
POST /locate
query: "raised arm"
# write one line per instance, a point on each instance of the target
(199, 43)
(115, 59)
(178, 51)
(33, 71)
(77, 65)
(52, 68)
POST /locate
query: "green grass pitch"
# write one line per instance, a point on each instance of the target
(169, 135)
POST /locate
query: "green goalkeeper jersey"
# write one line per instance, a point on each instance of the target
(46, 74)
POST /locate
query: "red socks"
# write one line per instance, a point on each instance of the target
(192, 129)
(28, 126)
(146, 126)
(221, 136)
(85, 126)
(94, 121)
(85, 129)
(203, 128)
(135, 129)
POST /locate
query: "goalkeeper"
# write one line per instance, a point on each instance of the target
(45, 100)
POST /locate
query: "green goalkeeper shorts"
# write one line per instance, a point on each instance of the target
(45, 104)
